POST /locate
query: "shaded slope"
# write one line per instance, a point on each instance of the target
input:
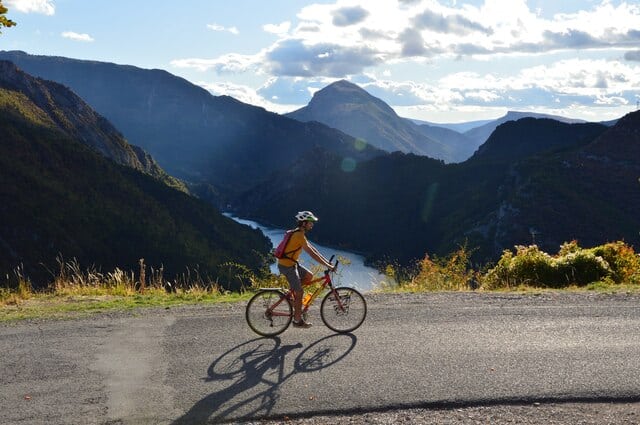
(403, 206)
(481, 134)
(514, 140)
(61, 197)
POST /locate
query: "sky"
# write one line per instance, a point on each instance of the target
(441, 61)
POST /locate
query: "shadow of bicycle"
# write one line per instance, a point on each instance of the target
(257, 369)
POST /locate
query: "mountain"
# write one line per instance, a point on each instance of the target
(481, 133)
(514, 140)
(457, 127)
(218, 144)
(579, 184)
(351, 109)
(72, 186)
(464, 147)
(620, 144)
(76, 119)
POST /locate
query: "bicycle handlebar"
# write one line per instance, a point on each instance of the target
(331, 261)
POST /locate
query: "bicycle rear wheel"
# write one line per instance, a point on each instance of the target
(269, 312)
(345, 312)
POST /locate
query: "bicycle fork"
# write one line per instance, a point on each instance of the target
(342, 303)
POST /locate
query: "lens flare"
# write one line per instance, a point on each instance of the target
(429, 200)
(348, 165)
(360, 144)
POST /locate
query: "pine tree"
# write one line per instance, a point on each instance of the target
(4, 21)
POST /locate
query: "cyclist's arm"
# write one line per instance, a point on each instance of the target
(315, 254)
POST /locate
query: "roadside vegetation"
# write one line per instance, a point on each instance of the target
(610, 267)
(74, 291)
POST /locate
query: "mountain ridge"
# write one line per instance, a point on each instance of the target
(74, 117)
(351, 109)
(200, 138)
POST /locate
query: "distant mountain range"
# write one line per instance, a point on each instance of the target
(457, 127)
(351, 109)
(528, 178)
(73, 187)
(217, 144)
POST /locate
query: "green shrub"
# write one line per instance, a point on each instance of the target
(573, 265)
(581, 268)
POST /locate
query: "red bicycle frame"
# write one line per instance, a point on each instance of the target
(290, 295)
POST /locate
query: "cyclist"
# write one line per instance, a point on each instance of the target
(295, 273)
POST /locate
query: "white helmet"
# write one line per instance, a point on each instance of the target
(306, 216)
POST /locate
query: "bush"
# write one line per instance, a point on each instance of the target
(581, 268)
(624, 262)
(614, 262)
(451, 273)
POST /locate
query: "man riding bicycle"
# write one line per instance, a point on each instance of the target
(295, 273)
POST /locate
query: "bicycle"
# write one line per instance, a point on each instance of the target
(270, 311)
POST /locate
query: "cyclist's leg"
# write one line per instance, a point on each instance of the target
(305, 277)
(295, 283)
(305, 274)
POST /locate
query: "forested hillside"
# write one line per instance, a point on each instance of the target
(63, 197)
(535, 181)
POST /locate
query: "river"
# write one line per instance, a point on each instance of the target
(351, 272)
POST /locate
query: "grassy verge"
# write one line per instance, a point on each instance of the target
(610, 268)
(76, 293)
(52, 305)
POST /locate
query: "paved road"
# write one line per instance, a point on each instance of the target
(202, 364)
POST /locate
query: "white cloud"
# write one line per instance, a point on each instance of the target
(279, 29)
(572, 86)
(245, 94)
(230, 63)
(346, 16)
(77, 37)
(220, 28)
(530, 52)
(31, 6)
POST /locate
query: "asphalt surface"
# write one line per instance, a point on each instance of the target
(202, 364)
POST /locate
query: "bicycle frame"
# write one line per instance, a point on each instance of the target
(289, 294)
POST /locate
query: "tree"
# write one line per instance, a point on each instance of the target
(4, 21)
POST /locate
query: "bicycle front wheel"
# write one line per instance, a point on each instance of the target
(343, 310)
(269, 312)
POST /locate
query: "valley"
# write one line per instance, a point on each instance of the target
(521, 179)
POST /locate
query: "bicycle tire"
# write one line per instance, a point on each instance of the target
(347, 319)
(260, 320)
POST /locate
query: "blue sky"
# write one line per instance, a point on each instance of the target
(435, 60)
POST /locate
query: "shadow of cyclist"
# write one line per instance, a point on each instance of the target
(257, 370)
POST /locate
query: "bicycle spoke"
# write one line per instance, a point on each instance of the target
(343, 310)
(268, 312)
